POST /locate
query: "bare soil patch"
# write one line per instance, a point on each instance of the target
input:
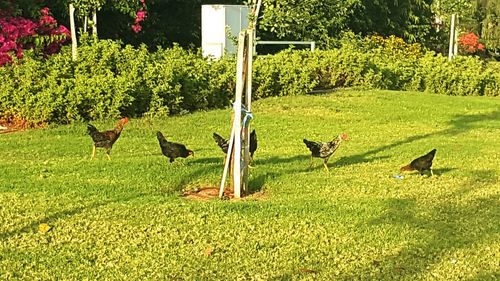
(210, 192)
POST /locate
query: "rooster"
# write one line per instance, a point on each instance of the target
(224, 144)
(105, 139)
(172, 150)
(421, 164)
(324, 149)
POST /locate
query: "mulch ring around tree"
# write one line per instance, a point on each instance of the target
(209, 192)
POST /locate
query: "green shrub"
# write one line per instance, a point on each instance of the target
(109, 80)
(461, 76)
(492, 79)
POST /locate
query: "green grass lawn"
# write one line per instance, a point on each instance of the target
(126, 218)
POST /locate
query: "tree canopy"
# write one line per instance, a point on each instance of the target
(170, 21)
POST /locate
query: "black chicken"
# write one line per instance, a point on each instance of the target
(172, 150)
(221, 142)
(421, 164)
(253, 143)
(324, 149)
(105, 139)
(224, 144)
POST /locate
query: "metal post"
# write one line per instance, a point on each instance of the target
(455, 34)
(452, 37)
(237, 115)
(246, 129)
(73, 31)
(94, 26)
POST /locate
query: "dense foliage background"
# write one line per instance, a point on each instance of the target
(111, 80)
(141, 70)
(179, 21)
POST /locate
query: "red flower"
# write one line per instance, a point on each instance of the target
(470, 43)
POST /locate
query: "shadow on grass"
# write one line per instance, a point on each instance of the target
(441, 171)
(209, 160)
(32, 227)
(458, 125)
(439, 229)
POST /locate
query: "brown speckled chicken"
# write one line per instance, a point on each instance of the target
(105, 139)
(324, 149)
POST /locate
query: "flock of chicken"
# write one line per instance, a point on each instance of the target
(172, 150)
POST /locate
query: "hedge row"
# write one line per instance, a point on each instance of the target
(108, 80)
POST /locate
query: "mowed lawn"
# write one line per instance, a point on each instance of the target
(126, 219)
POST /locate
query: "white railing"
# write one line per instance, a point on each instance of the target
(312, 43)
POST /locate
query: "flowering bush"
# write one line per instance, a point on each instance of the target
(469, 42)
(139, 17)
(18, 34)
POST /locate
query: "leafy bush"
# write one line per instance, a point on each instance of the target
(286, 73)
(109, 80)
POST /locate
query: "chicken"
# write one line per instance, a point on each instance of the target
(421, 164)
(253, 143)
(172, 150)
(324, 149)
(224, 144)
(221, 142)
(105, 139)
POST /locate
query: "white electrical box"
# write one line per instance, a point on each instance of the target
(220, 26)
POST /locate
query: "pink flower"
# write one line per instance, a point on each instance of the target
(8, 46)
(140, 15)
(63, 30)
(47, 20)
(5, 59)
(17, 34)
(44, 11)
(19, 53)
(136, 28)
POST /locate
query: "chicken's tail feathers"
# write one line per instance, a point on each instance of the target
(91, 129)
(407, 168)
(432, 152)
(218, 139)
(160, 137)
(308, 143)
